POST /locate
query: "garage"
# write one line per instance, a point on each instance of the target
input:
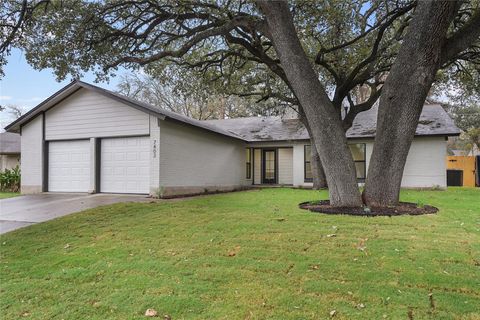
(69, 166)
(125, 165)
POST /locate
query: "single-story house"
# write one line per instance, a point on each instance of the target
(88, 139)
(9, 150)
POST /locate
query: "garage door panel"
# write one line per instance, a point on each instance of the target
(125, 165)
(69, 166)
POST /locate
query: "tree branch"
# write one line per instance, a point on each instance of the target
(462, 39)
(354, 110)
(197, 38)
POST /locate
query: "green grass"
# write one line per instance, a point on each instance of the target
(5, 195)
(247, 255)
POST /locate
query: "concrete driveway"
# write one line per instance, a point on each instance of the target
(22, 211)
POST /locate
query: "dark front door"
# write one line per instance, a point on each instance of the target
(269, 172)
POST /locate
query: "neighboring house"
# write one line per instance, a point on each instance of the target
(9, 150)
(461, 171)
(88, 139)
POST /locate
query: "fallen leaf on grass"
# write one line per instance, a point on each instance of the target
(333, 313)
(66, 246)
(361, 245)
(151, 313)
(331, 235)
(233, 253)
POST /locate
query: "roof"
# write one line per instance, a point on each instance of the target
(434, 121)
(9, 143)
(154, 110)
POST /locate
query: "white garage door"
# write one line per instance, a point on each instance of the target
(125, 165)
(69, 166)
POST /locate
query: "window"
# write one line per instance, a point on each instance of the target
(248, 163)
(307, 165)
(358, 153)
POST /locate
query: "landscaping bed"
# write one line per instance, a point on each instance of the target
(404, 208)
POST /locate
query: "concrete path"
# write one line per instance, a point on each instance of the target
(22, 211)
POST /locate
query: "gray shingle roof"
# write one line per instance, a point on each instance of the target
(433, 121)
(9, 143)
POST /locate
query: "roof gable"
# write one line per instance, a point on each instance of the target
(76, 85)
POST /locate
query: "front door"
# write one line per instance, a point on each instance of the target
(269, 173)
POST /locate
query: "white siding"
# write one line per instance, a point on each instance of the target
(154, 156)
(425, 166)
(257, 169)
(191, 157)
(32, 156)
(87, 114)
(285, 166)
(298, 166)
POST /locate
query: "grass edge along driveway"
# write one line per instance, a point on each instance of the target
(5, 195)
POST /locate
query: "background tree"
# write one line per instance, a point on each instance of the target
(185, 91)
(473, 139)
(15, 111)
(459, 94)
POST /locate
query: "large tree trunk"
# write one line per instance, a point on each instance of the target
(318, 175)
(323, 118)
(403, 97)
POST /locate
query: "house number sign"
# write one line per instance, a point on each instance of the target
(154, 148)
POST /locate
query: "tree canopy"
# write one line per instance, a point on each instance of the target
(184, 91)
(351, 43)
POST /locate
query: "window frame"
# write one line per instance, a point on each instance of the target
(248, 164)
(305, 161)
(364, 145)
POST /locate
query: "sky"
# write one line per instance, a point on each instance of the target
(26, 87)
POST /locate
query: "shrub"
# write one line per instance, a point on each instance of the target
(10, 180)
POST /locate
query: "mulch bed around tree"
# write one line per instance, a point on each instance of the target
(404, 208)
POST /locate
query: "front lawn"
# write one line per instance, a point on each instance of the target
(247, 255)
(4, 195)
